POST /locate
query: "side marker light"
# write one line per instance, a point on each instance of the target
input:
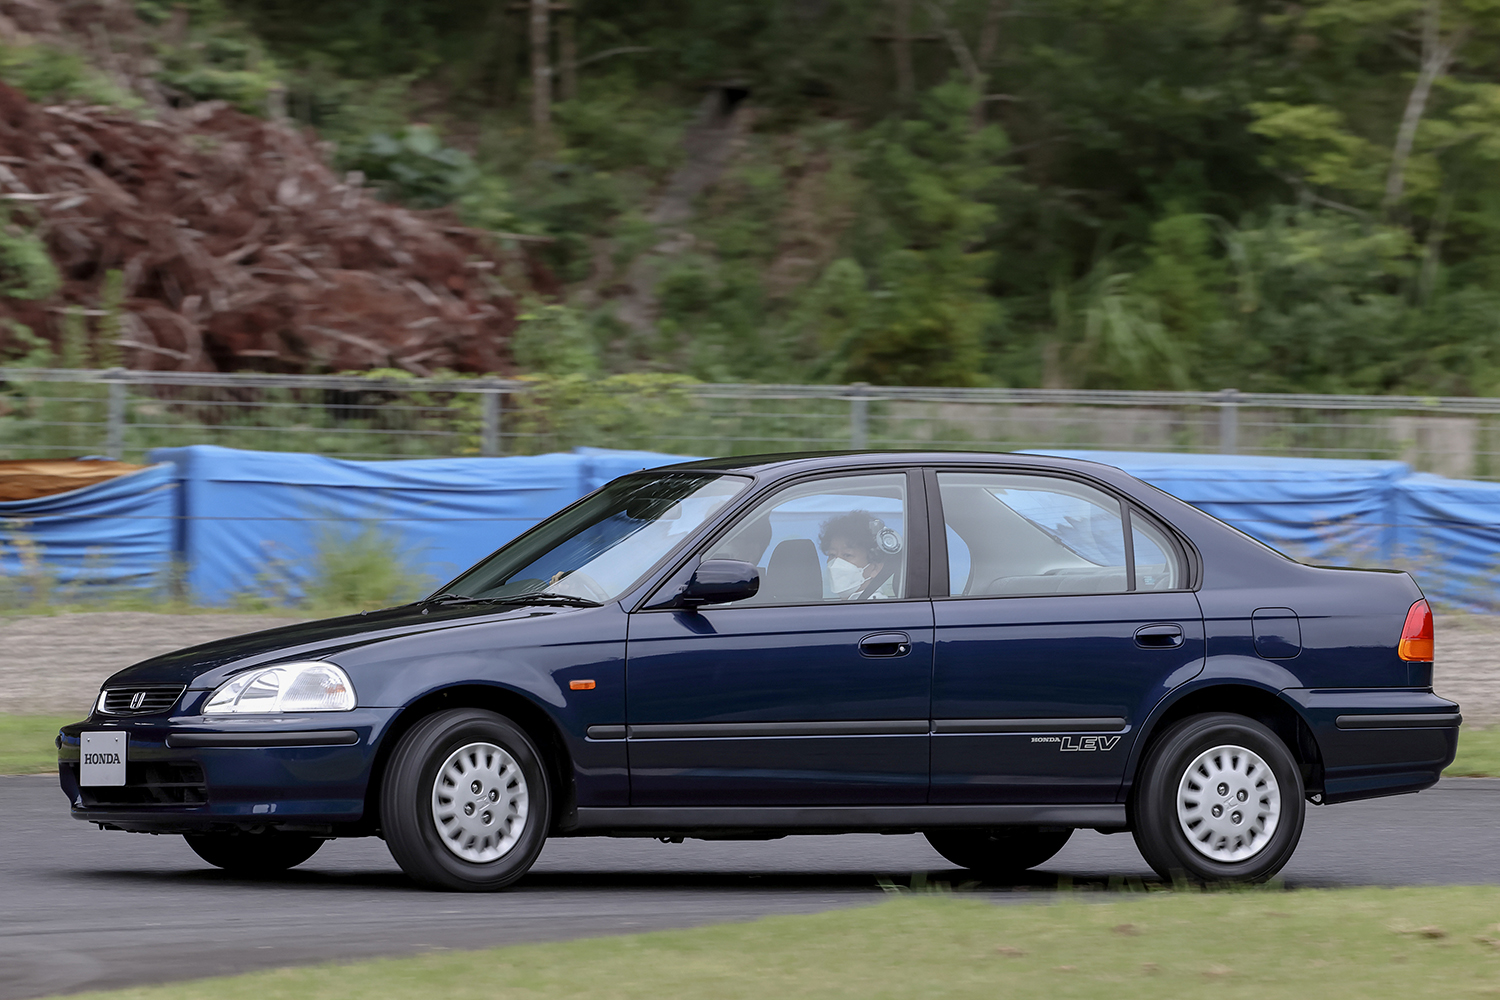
(581, 685)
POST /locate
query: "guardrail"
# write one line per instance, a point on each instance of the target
(123, 413)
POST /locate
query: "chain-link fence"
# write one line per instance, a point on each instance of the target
(124, 414)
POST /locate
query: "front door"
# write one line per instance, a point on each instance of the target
(814, 692)
(1067, 619)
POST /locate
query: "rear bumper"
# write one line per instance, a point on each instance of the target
(307, 773)
(1379, 741)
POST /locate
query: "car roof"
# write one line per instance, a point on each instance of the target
(776, 466)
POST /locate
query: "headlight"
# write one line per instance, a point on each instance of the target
(286, 687)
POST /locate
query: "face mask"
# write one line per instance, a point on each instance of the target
(844, 575)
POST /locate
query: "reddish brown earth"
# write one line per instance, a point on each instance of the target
(240, 249)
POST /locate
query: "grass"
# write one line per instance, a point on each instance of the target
(1367, 943)
(26, 745)
(1478, 754)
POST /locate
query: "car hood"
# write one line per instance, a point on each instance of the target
(210, 662)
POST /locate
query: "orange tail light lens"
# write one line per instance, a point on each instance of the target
(1416, 634)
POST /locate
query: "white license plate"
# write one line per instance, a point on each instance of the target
(102, 760)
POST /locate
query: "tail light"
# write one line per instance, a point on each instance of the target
(1416, 634)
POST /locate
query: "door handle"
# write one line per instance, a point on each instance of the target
(1159, 636)
(885, 644)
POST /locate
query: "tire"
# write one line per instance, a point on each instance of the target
(1000, 852)
(1227, 763)
(253, 853)
(490, 773)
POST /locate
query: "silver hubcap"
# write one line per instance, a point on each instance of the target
(479, 802)
(1228, 804)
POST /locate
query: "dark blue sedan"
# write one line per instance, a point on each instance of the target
(992, 650)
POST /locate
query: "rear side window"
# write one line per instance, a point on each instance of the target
(1023, 535)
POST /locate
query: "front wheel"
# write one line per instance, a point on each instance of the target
(465, 802)
(1000, 852)
(253, 853)
(1219, 799)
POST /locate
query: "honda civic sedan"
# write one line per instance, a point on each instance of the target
(991, 650)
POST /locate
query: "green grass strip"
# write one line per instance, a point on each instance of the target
(26, 742)
(1367, 943)
(1478, 754)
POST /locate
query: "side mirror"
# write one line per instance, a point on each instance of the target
(719, 581)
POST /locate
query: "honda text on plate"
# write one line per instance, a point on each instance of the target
(991, 650)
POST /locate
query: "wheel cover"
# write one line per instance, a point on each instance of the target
(479, 802)
(1228, 804)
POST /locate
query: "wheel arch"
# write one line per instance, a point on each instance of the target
(523, 711)
(1251, 701)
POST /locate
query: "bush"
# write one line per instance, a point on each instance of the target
(358, 568)
(413, 166)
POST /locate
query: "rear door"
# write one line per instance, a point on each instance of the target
(1062, 616)
(814, 692)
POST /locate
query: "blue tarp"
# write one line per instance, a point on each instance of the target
(1446, 532)
(252, 519)
(1315, 509)
(1449, 537)
(119, 533)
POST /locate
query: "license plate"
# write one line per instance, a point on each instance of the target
(103, 759)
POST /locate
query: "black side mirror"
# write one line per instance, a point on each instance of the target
(719, 581)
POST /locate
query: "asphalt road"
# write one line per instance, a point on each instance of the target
(85, 909)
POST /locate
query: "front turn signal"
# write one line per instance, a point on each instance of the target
(1416, 634)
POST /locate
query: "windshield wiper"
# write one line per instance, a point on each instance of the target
(548, 597)
(460, 599)
(537, 597)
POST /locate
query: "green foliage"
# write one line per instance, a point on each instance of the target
(413, 166)
(554, 340)
(217, 61)
(561, 412)
(360, 567)
(931, 178)
(48, 73)
(26, 269)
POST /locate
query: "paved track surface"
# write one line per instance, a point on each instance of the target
(85, 909)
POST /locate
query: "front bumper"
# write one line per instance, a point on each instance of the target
(306, 772)
(1378, 741)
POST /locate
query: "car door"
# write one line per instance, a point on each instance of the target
(1062, 616)
(817, 690)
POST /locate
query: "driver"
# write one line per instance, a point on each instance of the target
(854, 556)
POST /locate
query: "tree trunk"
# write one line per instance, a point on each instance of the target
(989, 42)
(541, 71)
(1437, 56)
(901, 50)
(567, 54)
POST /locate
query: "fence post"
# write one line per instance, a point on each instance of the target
(114, 418)
(859, 416)
(1229, 421)
(489, 432)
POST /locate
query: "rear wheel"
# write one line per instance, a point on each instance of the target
(465, 802)
(253, 853)
(1000, 851)
(1219, 799)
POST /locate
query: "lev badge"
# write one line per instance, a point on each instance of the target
(1079, 744)
(1087, 743)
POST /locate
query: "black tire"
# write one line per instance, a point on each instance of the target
(999, 852)
(410, 822)
(1159, 831)
(253, 853)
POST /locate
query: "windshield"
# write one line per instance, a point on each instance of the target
(598, 549)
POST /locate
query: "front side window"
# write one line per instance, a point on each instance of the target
(1019, 535)
(827, 540)
(597, 550)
